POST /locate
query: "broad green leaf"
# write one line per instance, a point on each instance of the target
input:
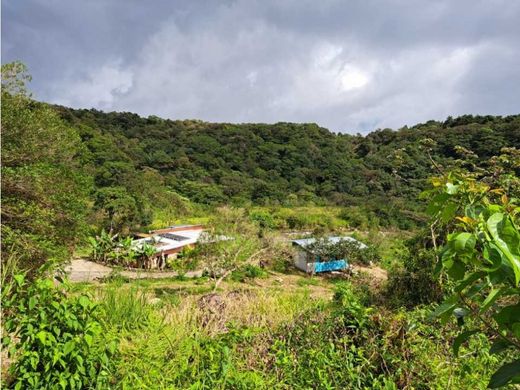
(499, 346)
(490, 299)
(473, 211)
(460, 339)
(492, 254)
(79, 359)
(84, 301)
(504, 374)
(448, 212)
(516, 329)
(446, 307)
(437, 203)
(463, 242)
(42, 336)
(457, 270)
(508, 315)
(56, 357)
(501, 228)
(19, 279)
(68, 347)
(469, 280)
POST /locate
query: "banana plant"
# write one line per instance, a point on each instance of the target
(102, 246)
(144, 254)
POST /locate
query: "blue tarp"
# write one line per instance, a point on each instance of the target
(334, 265)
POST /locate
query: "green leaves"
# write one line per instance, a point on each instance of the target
(44, 186)
(507, 239)
(445, 309)
(461, 338)
(482, 254)
(508, 373)
(491, 298)
(463, 242)
(59, 339)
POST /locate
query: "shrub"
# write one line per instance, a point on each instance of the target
(58, 338)
(263, 218)
(344, 249)
(414, 283)
(248, 271)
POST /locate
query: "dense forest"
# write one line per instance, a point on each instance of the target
(280, 164)
(432, 302)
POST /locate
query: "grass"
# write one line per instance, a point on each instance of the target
(309, 281)
(171, 331)
(179, 334)
(275, 330)
(126, 308)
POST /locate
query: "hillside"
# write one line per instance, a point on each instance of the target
(284, 163)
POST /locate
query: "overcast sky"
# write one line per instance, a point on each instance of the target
(350, 66)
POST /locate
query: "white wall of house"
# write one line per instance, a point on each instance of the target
(301, 259)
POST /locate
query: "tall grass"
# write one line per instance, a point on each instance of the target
(126, 308)
(194, 343)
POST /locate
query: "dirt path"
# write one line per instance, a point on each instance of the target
(81, 270)
(374, 271)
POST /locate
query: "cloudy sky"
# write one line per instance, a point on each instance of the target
(351, 66)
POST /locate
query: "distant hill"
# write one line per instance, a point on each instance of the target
(282, 163)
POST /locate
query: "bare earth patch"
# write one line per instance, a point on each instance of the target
(81, 270)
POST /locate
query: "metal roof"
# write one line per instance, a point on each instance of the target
(305, 242)
(165, 241)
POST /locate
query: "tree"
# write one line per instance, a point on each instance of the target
(478, 226)
(44, 188)
(230, 242)
(118, 204)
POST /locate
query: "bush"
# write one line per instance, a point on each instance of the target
(415, 282)
(263, 218)
(58, 338)
(249, 271)
(344, 249)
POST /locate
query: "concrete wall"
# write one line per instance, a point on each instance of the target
(300, 260)
(306, 262)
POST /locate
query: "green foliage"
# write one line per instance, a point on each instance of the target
(119, 251)
(264, 219)
(55, 340)
(413, 282)
(102, 247)
(119, 206)
(44, 187)
(126, 309)
(231, 241)
(351, 346)
(343, 249)
(248, 272)
(376, 178)
(481, 256)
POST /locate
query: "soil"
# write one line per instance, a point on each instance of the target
(81, 270)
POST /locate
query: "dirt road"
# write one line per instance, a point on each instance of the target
(81, 270)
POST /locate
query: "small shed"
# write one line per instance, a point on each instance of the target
(310, 262)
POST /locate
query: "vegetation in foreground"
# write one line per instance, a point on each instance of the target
(254, 334)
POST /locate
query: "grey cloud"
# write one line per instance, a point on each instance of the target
(350, 66)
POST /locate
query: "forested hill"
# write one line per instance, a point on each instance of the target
(283, 163)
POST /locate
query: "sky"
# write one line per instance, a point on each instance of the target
(351, 66)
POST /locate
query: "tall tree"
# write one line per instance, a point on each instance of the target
(44, 191)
